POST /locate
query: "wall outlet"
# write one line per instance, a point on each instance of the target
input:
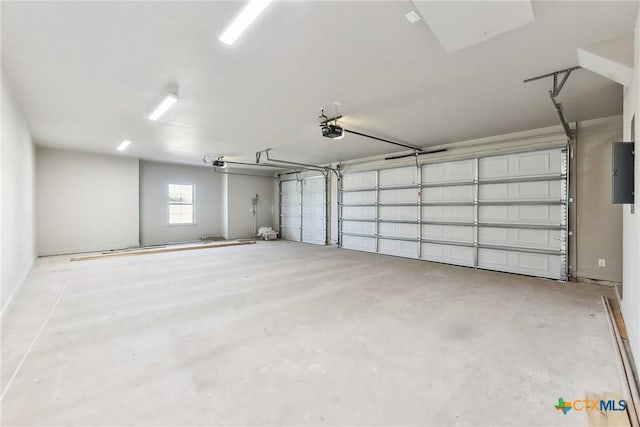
(602, 262)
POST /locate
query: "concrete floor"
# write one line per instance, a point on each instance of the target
(281, 333)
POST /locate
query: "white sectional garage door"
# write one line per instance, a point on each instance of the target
(303, 210)
(291, 210)
(505, 213)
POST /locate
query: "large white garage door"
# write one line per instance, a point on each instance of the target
(303, 210)
(505, 213)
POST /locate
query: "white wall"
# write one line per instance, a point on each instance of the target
(631, 221)
(155, 178)
(17, 166)
(240, 191)
(85, 202)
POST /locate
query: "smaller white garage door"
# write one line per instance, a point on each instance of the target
(291, 210)
(303, 210)
(314, 211)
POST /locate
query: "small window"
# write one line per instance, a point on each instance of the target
(180, 204)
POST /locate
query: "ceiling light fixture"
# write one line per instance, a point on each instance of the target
(123, 145)
(162, 108)
(243, 20)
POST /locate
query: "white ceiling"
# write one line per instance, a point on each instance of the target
(476, 22)
(86, 75)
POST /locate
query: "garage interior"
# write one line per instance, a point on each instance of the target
(320, 213)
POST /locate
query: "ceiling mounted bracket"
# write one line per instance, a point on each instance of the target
(326, 120)
(560, 77)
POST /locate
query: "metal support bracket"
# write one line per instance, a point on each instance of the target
(563, 75)
(560, 77)
(304, 166)
(563, 121)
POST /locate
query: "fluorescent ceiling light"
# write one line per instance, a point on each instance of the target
(243, 20)
(164, 106)
(123, 145)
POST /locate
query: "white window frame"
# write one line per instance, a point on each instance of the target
(193, 206)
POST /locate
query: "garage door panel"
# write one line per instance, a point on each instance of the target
(458, 171)
(521, 164)
(354, 181)
(314, 184)
(462, 193)
(290, 210)
(313, 210)
(399, 230)
(453, 233)
(290, 221)
(510, 214)
(447, 213)
(359, 197)
(450, 254)
(359, 212)
(398, 248)
(290, 199)
(290, 233)
(315, 222)
(290, 187)
(366, 244)
(521, 237)
(541, 265)
(313, 236)
(404, 213)
(398, 177)
(534, 190)
(359, 227)
(313, 198)
(399, 196)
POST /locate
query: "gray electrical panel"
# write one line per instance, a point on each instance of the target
(623, 176)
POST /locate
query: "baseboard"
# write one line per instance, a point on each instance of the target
(597, 282)
(16, 289)
(88, 249)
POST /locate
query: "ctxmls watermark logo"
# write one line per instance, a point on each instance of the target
(590, 405)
